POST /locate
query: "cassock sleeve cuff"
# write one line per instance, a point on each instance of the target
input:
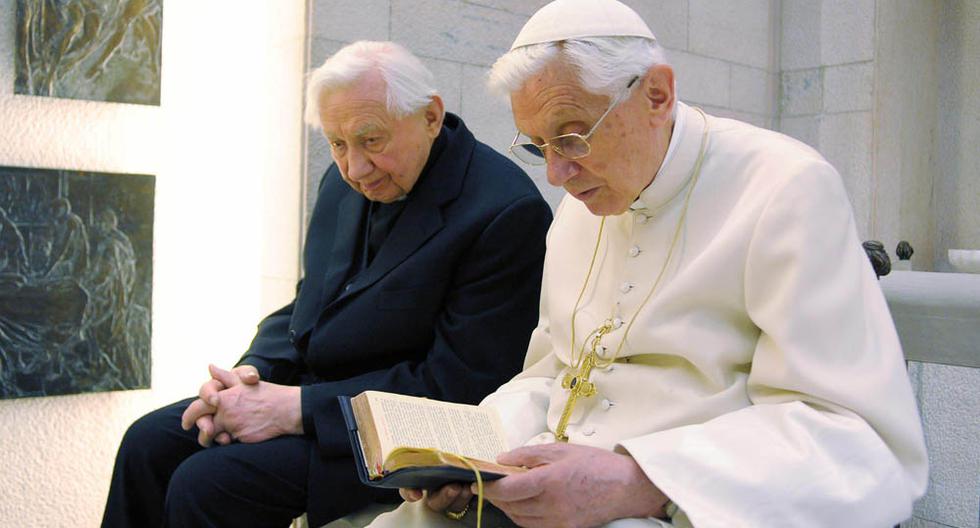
(322, 418)
(306, 408)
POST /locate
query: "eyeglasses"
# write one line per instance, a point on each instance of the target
(569, 146)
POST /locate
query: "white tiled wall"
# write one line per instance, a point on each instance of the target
(905, 94)
(845, 140)
(667, 18)
(848, 88)
(800, 34)
(847, 29)
(722, 51)
(957, 200)
(454, 30)
(801, 92)
(948, 401)
(825, 90)
(738, 32)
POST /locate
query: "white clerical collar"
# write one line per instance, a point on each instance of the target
(675, 171)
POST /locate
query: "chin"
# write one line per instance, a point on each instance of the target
(605, 208)
(387, 197)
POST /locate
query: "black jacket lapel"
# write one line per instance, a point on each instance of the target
(350, 212)
(422, 217)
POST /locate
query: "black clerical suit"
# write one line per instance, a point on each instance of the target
(433, 296)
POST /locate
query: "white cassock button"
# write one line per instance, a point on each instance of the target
(588, 430)
(641, 218)
(626, 287)
(634, 251)
(606, 405)
(617, 322)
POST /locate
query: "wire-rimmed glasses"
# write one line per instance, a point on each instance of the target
(571, 146)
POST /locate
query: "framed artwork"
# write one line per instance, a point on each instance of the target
(76, 270)
(100, 50)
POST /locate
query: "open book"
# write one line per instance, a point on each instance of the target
(408, 442)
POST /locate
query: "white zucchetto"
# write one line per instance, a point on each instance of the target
(571, 19)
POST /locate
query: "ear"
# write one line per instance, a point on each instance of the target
(658, 93)
(434, 113)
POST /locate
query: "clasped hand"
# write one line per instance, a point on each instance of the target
(567, 485)
(237, 405)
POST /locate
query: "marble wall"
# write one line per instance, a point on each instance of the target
(723, 53)
(957, 196)
(827, 52)
(883, 89)
(905, 127)
(948, 400)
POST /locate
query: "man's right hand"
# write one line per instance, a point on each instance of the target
(451, 497)
(201, 411)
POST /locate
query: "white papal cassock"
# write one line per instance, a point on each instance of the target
(762, 384)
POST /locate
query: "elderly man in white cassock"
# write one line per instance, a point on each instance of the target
(713, 348)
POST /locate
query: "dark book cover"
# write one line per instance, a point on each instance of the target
(422, 477)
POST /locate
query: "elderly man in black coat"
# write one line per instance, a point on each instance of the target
(422, 275)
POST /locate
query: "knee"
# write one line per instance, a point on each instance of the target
(156, 439)
(192, 482)
(199, 489)
(141, 438)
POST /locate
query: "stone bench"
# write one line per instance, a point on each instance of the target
(937, 315)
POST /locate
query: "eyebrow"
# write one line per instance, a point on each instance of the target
(557, 131)
(364, 130)
(368, 129)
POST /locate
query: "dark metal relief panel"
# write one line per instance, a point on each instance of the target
(100, 50)
(76, 271)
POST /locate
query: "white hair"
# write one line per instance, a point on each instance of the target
(604, 64)
(410, 85)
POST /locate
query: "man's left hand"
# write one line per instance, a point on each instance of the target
(573, 485)
(259, 412)
(201, 411)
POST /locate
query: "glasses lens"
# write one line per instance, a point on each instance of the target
(528, 153)
(571, 146)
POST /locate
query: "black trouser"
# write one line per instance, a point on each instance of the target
(162, 477)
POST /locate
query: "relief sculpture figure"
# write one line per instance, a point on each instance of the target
(74, 300)
(69, 249)
(84, 49)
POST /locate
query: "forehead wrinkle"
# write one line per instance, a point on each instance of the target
(352, 108)
(554, 108)
(356, 120)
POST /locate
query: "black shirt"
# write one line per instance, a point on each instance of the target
(380, 217)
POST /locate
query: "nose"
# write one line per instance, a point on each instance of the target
(358, 165)
(560, 170)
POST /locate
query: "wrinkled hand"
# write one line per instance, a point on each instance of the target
(451, 497)
(573, 486)
(256, 412)
(201, 411)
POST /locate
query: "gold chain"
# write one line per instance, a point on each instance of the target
(583, 363)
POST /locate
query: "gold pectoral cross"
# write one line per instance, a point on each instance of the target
(578, 382)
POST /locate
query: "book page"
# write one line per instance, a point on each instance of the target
(368, 435)
(468, 430)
